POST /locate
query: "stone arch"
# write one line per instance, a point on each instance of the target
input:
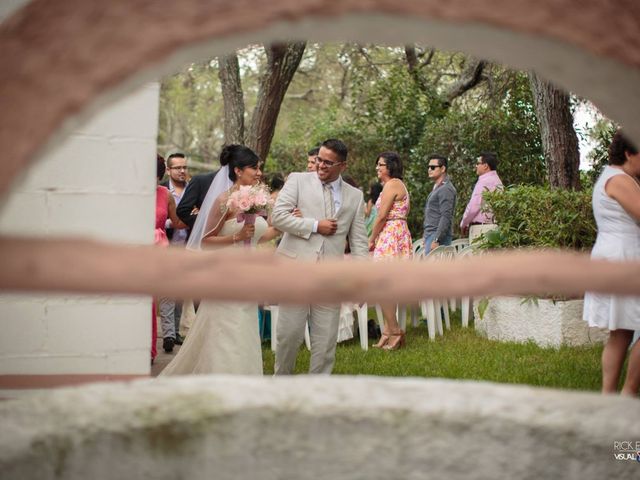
(62, 60)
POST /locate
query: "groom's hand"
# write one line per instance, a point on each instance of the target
(328, 226)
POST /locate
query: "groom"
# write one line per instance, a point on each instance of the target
(332, 211)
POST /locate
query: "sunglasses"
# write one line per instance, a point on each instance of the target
(433, 167)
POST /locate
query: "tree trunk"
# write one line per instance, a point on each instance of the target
(559, 139)
(229, 74)
(283, 61)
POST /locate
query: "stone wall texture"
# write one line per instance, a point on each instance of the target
(542, 321)
(315, 427)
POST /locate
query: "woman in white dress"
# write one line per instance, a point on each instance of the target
(616, 207)
(224, 337)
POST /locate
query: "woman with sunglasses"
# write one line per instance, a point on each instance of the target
(390, 237)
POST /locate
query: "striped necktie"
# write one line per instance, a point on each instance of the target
(329, 205)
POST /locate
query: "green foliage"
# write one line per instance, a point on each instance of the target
(191, 113)
(601, 134)
(508, 129)
(535, 216)
(483, 304)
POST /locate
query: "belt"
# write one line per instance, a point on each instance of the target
(478, 223)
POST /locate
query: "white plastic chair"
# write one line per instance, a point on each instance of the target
(460, 244)
(361, 312)
(418, 246)
(466, 304)
(401, 315)
(432, 308)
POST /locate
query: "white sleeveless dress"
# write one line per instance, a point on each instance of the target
(224, 337)
(618, 239)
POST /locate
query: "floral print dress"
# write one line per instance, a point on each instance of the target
(394, 239)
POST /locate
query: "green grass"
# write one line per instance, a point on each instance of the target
(462, 354)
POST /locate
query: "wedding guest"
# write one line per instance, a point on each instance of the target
(171, 308)
(193, 197)
(370, 210)
(616, 207)
(165, 208)
(476, 220)
(311, 159)
(440, 205)
(390, 237)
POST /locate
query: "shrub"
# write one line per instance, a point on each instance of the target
(534, 216)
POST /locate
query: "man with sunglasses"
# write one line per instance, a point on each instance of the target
(476, 220)
(330, 211)
(441, 202)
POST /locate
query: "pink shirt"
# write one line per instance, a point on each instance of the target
(473, 213)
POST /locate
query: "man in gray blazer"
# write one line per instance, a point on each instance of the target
(332, 212)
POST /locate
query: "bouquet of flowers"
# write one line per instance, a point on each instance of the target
(249, 201)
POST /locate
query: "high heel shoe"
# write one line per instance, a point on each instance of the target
(396, 341)
(384, 339)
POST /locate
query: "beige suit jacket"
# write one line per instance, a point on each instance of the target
(304, 191)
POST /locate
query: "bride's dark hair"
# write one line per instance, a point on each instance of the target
(238, 156)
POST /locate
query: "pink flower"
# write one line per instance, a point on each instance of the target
(244, 204)
(250, 199)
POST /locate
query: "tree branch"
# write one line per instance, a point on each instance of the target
(469, 79)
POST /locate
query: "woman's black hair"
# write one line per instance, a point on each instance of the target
(375, 191)
(394, 164)
(238, 156)
(619, 146)
(276, 181)
(162, 166)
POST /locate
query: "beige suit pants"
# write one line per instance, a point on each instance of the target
(476, 230)
(323, 331)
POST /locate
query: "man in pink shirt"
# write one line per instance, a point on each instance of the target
(475, 221)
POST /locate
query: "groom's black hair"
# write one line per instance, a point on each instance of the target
(337, 147)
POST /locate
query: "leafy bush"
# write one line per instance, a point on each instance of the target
(534, 216)
(509, 129)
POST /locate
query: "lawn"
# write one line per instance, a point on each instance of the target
(462, 354)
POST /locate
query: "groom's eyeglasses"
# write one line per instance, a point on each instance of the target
(328, 163)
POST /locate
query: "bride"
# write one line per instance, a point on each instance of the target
(224, 337)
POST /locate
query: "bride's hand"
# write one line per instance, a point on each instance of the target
(246, 232)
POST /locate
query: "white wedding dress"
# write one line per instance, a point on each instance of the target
(224, 337)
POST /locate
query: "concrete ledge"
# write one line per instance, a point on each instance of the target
(312, 427)
(544, 322)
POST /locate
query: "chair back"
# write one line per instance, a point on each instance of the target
(418, 247)
(443, 252)
(460, 244)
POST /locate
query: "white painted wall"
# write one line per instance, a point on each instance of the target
(100, 182)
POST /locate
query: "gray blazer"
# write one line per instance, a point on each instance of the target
(304, 191)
